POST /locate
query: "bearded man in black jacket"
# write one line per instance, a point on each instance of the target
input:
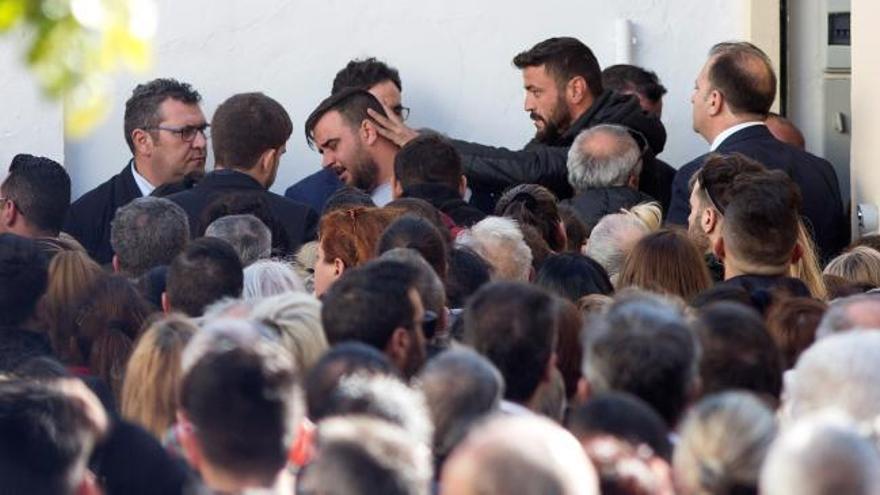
(564, 96)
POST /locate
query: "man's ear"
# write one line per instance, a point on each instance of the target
(398, 346)
(368, 133)
(462, 185)
(166, 306)
(633, 180)
(716, 102)
(576, 90)
(8, 214)
(718, 248)
(115, 263)
(583, 391)
(396, 188)
(338, 267)
(142, 141)
(188, 442)
(709, 220)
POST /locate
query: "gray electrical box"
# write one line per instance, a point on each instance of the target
(836, 89)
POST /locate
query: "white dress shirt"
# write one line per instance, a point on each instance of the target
(382, 194)
(142, 183)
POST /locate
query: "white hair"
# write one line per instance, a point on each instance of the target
(297, 318)
(500, 242)
(612, 239)
(267, 278)
(844, 314)
(603, 156)
(839, 372)
(247, 234)
(821, 455)
(224, 333)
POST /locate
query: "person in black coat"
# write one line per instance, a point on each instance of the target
(564, 96)
(249, 135)
(733, 96)
(165, 130)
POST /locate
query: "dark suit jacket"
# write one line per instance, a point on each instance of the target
(298, 220)
(822, 204)
(88, 219)
(315, 189)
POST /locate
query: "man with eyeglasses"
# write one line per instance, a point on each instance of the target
(166, 132)
(383, 82)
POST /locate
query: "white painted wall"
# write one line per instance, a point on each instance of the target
(806, 39)
(454, 57)
(29, 123)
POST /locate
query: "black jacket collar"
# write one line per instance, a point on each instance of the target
(228, 179)
(749, 133)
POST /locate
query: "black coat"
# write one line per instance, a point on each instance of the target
(299, 222)
(88, 219)
(593, 204)
(448, 201)
(495, 169)
(822, 204)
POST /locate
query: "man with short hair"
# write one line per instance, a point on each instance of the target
(429, 168)
(732, 96)
(350, 144)
(146, 233)
(47, 433)
(249, 135)
(758, 241)
(384, 83)
(500, 242)
(34, 198)
(633, 80)
(379, 304)
(612, 239)
(514, 326)
(564, 95)
(166, 132)
(604, 163)
(205, 272)
(250, 237)
(642, 331)
(238, 408)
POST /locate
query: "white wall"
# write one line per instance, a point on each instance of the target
(454, 57)
(29, 123)
(806, 39)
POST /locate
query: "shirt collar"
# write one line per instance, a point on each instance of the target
(143, 184)
(731, 131)
(382, 194)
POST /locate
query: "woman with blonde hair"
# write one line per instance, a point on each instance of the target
(297, 319)
(153, 375)
(807, 268)
(723, 442)
(71, 274)
(666, 261)
(860, 265)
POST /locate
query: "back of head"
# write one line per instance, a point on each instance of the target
(71, 275)
(564, 58)
(250, 237)
(857, 312)
(428, 283)
(146, 233)
(245, 126)
(603, 156)
(341, 360)
(428, 159)
(737, 352)
(206, 271)
(461, 387)
(724, 441)
(352, 235)
(467, 273)
(612, 239)
(297, 319)
(837, 372)
(514, 326)
(499, 241)
(266, 278)
(415, 233)
(142, 107)
(666, 261)
(717, 175)
(638, 332)
(792, 324)
(364, 74)
(239, 396)
(744, 75)
(40, 189)
(573, 276)
(346, 198)
(540, 458)
(761, 222)
(859, 265)
(821, 456)
(24, 273)
(153, 374)
(531, 204)
(625, 78)
(47, 433)
(360, 456)
(622, 416)
(352, 104)
(575, 229)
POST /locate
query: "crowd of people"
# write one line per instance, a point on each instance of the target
(430, 315)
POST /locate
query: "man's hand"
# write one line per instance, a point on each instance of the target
(391, 127)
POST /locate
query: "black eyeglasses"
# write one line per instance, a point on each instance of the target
(401, 111)
(429, 324)
(187, 133)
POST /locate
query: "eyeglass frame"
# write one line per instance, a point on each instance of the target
(402, 112)
(180, 131)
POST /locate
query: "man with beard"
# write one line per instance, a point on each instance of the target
(350, 144)
(564, 95)
(166, 132)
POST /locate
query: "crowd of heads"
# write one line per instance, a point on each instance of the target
(422, 344)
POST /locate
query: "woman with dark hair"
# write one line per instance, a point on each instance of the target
(573, 276)
(666, 261)
(531, 204)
